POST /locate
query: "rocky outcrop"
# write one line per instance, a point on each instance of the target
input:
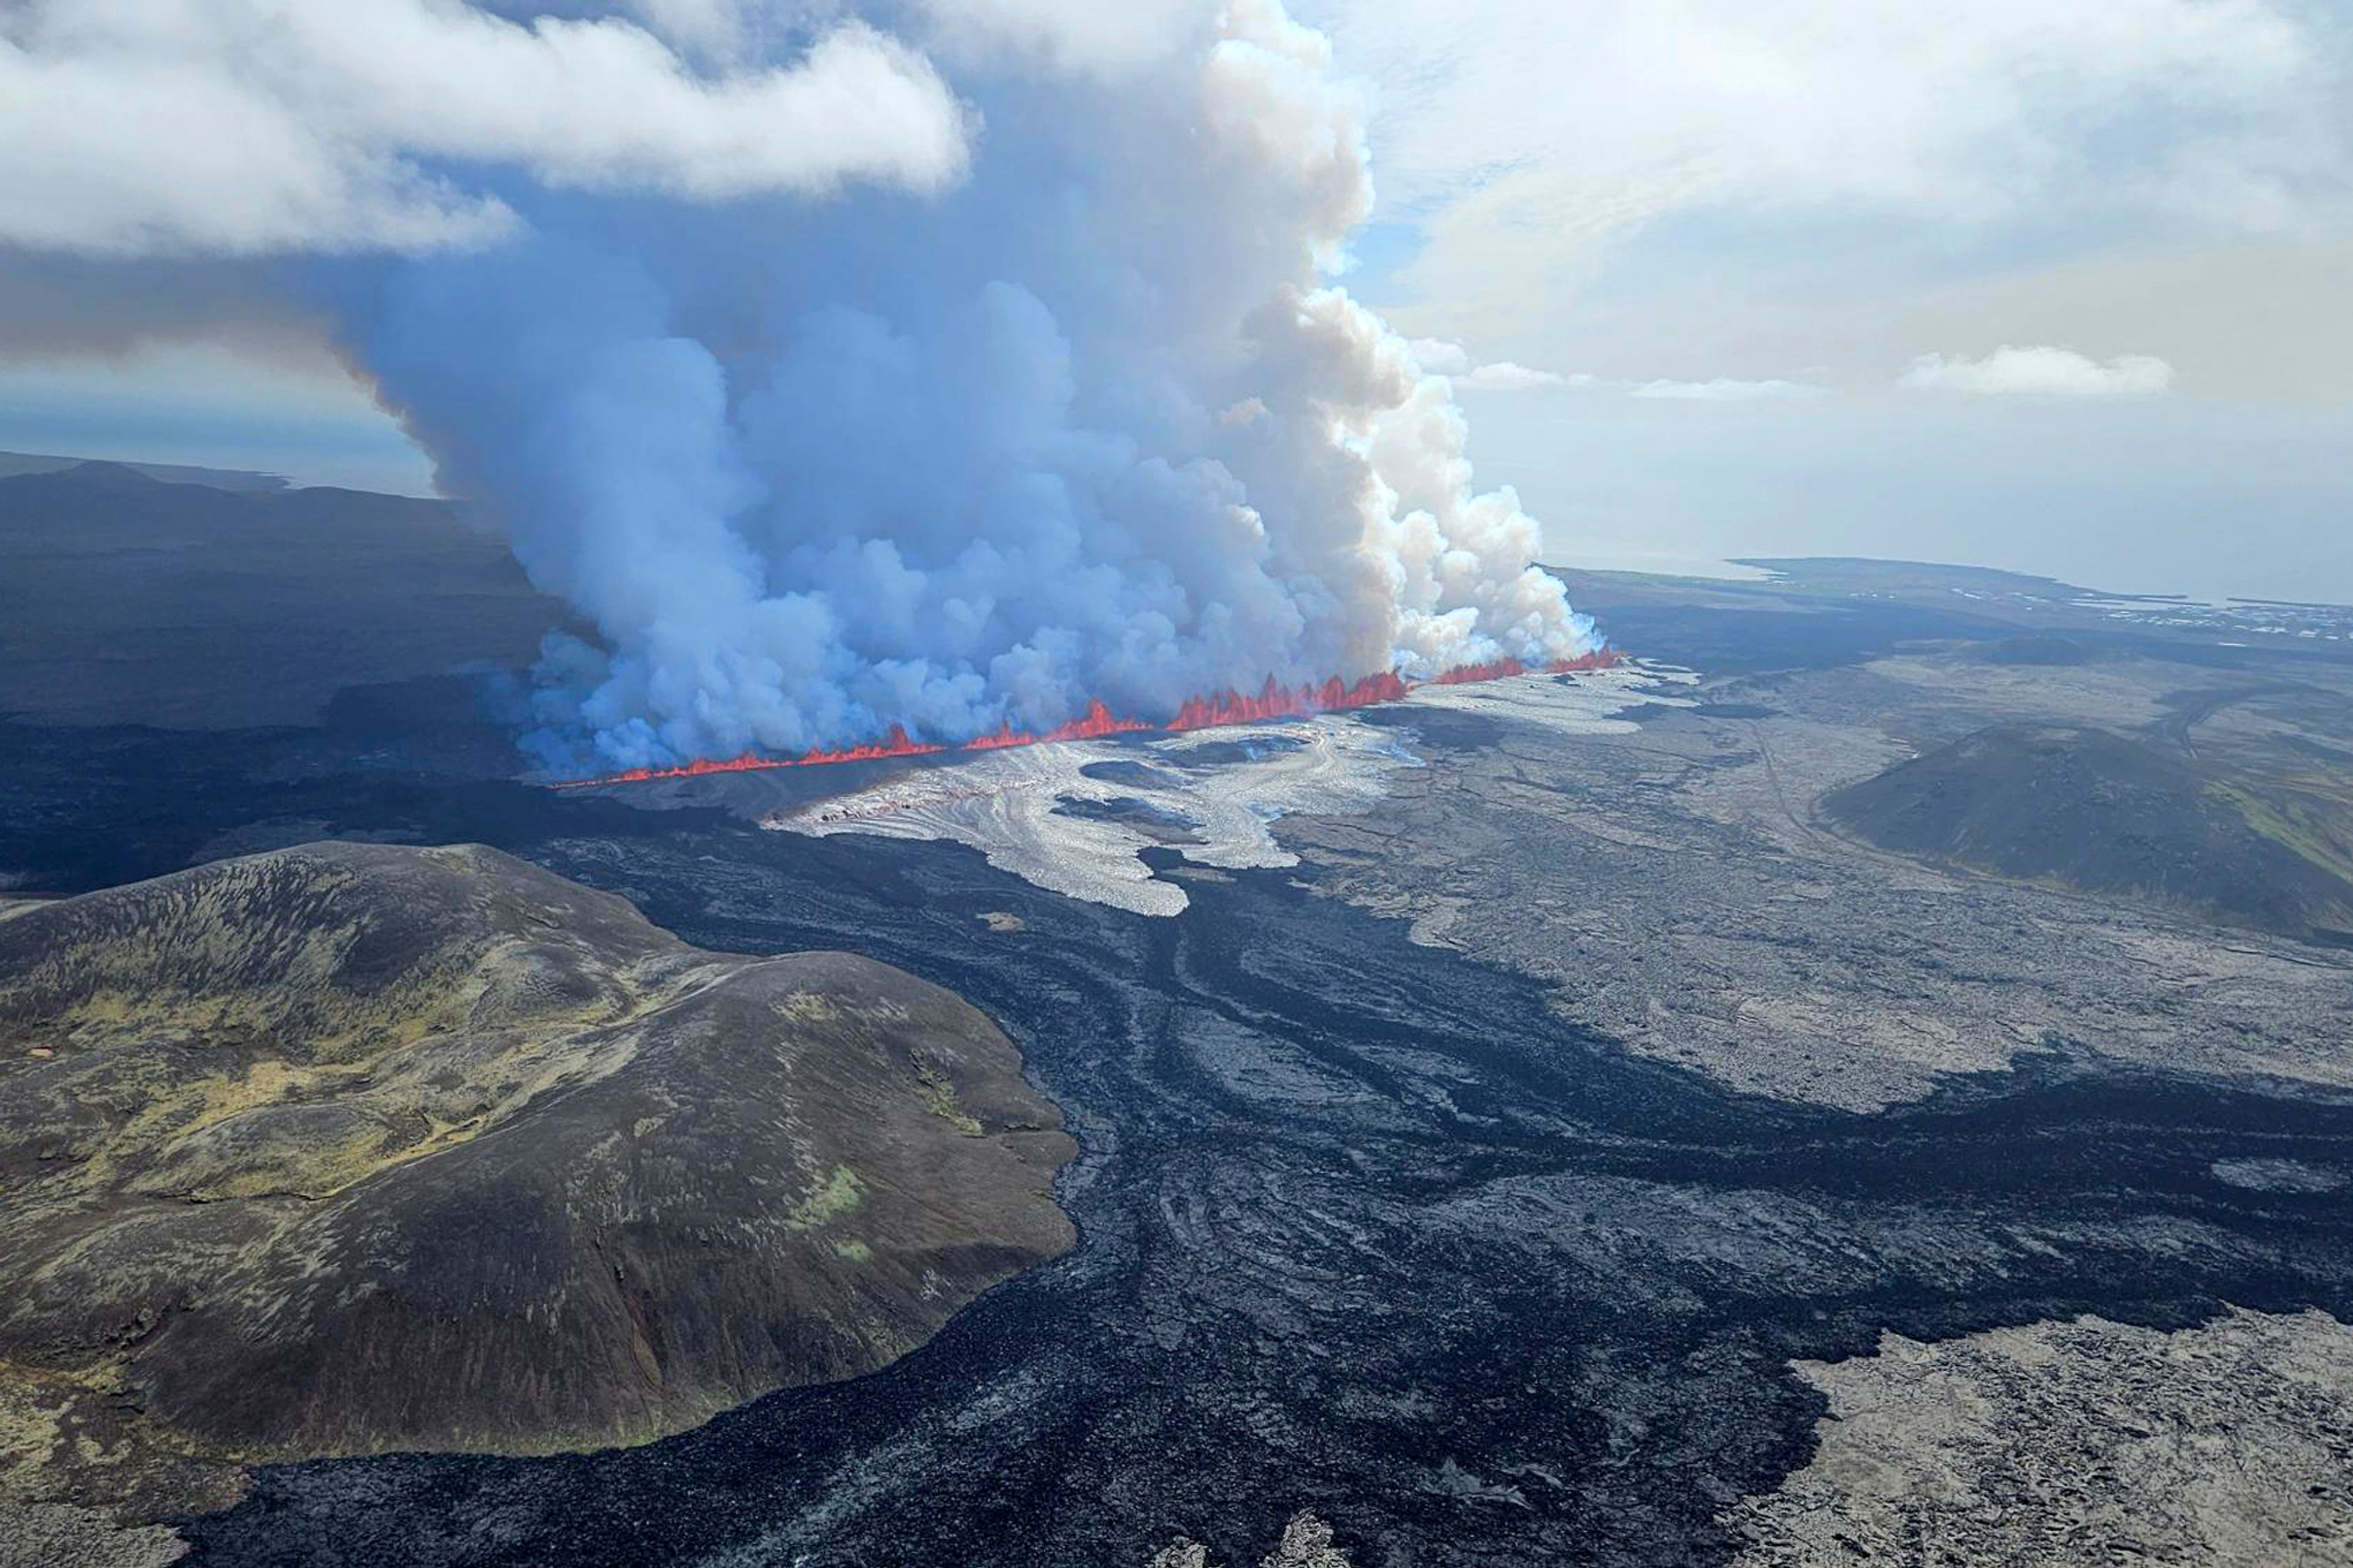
(1306, 1543)
(354, 1147)
(2065, 1443)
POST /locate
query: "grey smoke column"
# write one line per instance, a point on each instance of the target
(1091, 422)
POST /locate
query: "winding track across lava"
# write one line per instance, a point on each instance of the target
(1224, 708)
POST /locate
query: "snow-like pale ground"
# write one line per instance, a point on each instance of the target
(1003, 803)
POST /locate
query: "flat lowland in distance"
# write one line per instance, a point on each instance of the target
(355, 1147)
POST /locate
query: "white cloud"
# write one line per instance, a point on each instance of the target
(1437, 356)
(2042, 370)
(1724, 389)
(1442, 356)
(1526, 140)
(1086, 35)
(1506, 376)
(248, 127)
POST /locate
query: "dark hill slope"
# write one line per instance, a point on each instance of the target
(2097, 812)
(243, 480)
(127, 600)
(354, 1147)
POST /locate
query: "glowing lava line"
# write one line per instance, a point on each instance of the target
(1219, 709)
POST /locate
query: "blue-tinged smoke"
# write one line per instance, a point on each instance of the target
(1089, 424)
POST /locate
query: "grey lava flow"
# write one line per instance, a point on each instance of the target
(1361, 1227)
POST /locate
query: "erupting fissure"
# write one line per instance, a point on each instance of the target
(1223, 708)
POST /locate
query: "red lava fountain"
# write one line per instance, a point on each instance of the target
(1220, 707)
(1093, 725)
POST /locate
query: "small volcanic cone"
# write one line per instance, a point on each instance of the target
(1273, 700)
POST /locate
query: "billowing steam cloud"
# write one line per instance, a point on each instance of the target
(1069, 410)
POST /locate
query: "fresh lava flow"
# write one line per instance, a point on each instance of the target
(1273, 702)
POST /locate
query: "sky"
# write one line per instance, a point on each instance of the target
(2051, 285)
(2055, 285)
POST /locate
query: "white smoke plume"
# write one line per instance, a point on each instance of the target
(1070, 409)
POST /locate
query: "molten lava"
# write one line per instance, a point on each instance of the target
(1093, 725)
(1275, 701)
(1500, 669)
(1466, 674)
(1600, 658)
(1221, 707)
(897, 743)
